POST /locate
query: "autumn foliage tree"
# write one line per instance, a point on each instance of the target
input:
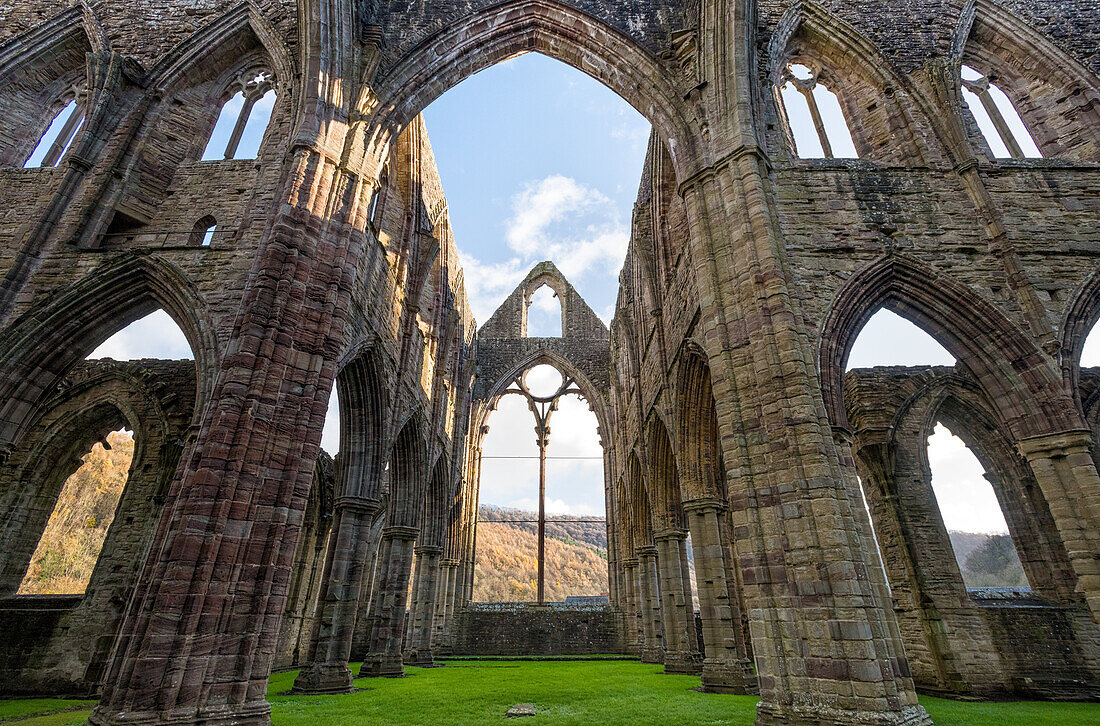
(70, 545)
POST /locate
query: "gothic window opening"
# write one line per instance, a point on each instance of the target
(814, 116)
(70, 546)
(888, 339)
(542, 529)
(54, 144)
(972, 514)
(544, 314)
(243, 119)
(997, 118)
(203, 232)
(156, 335)
(375, 212)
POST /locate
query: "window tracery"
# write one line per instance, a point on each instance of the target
(58, 137)
(244, 118)
(997, 118)
(815, 118)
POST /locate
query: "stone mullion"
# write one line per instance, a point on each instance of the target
(226, 508)
(807, 91)
(838, 635)
(326, 669)
(677, 614)
(726, 668)
(652, 650)
(418, 648)
(384, 658)
(981, 90)
(1066, 474)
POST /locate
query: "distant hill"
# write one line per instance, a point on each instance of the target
(505, 568)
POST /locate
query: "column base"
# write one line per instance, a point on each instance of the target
(323, 678)
(382, 666)
(729, 677)
(253, 713)
(419, 658)
(686, 664)
(651, 655)
(770, 714)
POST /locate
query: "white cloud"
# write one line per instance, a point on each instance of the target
(966, 499)
(154, 336)
(556, 218)
(488, 284)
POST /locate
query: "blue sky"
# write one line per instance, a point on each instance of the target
(539, 161)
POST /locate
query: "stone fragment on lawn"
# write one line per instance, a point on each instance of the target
(521, 709)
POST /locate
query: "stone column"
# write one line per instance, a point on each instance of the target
(198, 640)
(652, 650)
(677, 610)
(442, 641)
(726, 668)
(418, 647)
(388, 604)
(819, 623)
(631, 611)
(1066, 473)
(326, 669)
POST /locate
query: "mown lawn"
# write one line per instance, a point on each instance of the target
(473, 693)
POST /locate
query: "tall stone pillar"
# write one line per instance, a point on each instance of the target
(820, 622)
(199, 637)
(652, 650)
(388, 604)
(727, 667)
(418, 645)
(443, 638)
(677, 611)
(631, 609)
(1066, 473)
(350, 549)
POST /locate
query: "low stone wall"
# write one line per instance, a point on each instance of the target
(532, 630)
(1044, 648)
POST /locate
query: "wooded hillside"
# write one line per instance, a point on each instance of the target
(505, 569)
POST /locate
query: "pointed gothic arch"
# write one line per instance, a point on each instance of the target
(40, 76)
(1056, 96)
(873, 94)
(698, 448)
(559, 31)
(48, 340)
(1005, 361)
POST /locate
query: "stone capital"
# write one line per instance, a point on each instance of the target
(646, 551)
(670, 534)
(360, 505)
(428, 550)
(1053, 446)
(704, 505)
(630, 562)
(398, 532)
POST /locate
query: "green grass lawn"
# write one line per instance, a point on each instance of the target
(473, 693)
